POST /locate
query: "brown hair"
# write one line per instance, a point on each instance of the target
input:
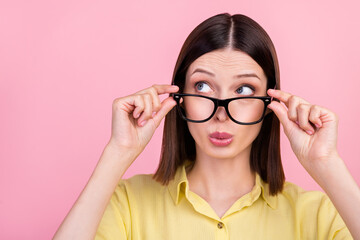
(238, 32)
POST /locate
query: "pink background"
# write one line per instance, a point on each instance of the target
(63, 62)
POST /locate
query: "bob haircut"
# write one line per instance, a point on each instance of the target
(241, 33)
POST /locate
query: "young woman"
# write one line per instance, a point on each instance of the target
(220, 175)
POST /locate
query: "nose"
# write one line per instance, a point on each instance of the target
(221, 114)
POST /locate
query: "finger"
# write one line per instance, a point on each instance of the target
(162, 88)
(147, 113)
(165, 88)
(139, 105)
(284, 96)
(166, 106)
(303, 112)
(156, 104)
(314, 117)
(281, 112)
(279, 94)
(293, 103)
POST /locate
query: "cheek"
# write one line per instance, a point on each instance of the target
(197, 131)
(252, 132)
(247, 133)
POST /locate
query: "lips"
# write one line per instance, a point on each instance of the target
(221, 135)
(220, 138)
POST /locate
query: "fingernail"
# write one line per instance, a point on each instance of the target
(143, 123)
(317, 125)
(153, 114)
(137, 115)
(309, 132)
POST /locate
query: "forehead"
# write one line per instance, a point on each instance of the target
(227, 62)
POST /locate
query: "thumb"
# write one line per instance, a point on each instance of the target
(281, 112)
(166, 106)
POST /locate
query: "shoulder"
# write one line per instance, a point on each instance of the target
(139, 181)
(313, 209)
(303, 199)
(296, 193)
(139, 186)
(311, 206)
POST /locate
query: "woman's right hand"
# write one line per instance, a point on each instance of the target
(129, 136)
(136, 117)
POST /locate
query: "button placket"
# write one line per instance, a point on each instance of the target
(222, 231)
(220, 225)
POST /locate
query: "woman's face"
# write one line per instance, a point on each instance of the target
(215, 74)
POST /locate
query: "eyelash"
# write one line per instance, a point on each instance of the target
(249, 86)
(244, 85)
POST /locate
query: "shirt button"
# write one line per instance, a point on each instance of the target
(220, 225)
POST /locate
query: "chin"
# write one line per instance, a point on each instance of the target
(228, 152)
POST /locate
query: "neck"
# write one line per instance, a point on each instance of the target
(215, 179)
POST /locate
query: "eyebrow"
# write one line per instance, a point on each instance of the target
(236, 76)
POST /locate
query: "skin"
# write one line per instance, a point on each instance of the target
(311, 130)
(317, 152)
(218, 171)
(136, 117)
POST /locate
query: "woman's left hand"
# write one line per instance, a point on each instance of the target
(311, 129)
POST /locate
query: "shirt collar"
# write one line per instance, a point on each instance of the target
(179, 187)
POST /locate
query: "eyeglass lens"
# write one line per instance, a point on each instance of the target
(242, 110)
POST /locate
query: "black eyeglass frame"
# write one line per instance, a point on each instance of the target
(219, 103)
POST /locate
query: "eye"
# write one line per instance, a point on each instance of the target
(202, 87)
(245, 90)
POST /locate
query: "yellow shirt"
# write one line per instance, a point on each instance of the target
(142, 208)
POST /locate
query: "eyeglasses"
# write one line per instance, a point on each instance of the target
(242, 110)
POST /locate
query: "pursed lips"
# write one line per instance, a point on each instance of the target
(220, 135)
(220, 138)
